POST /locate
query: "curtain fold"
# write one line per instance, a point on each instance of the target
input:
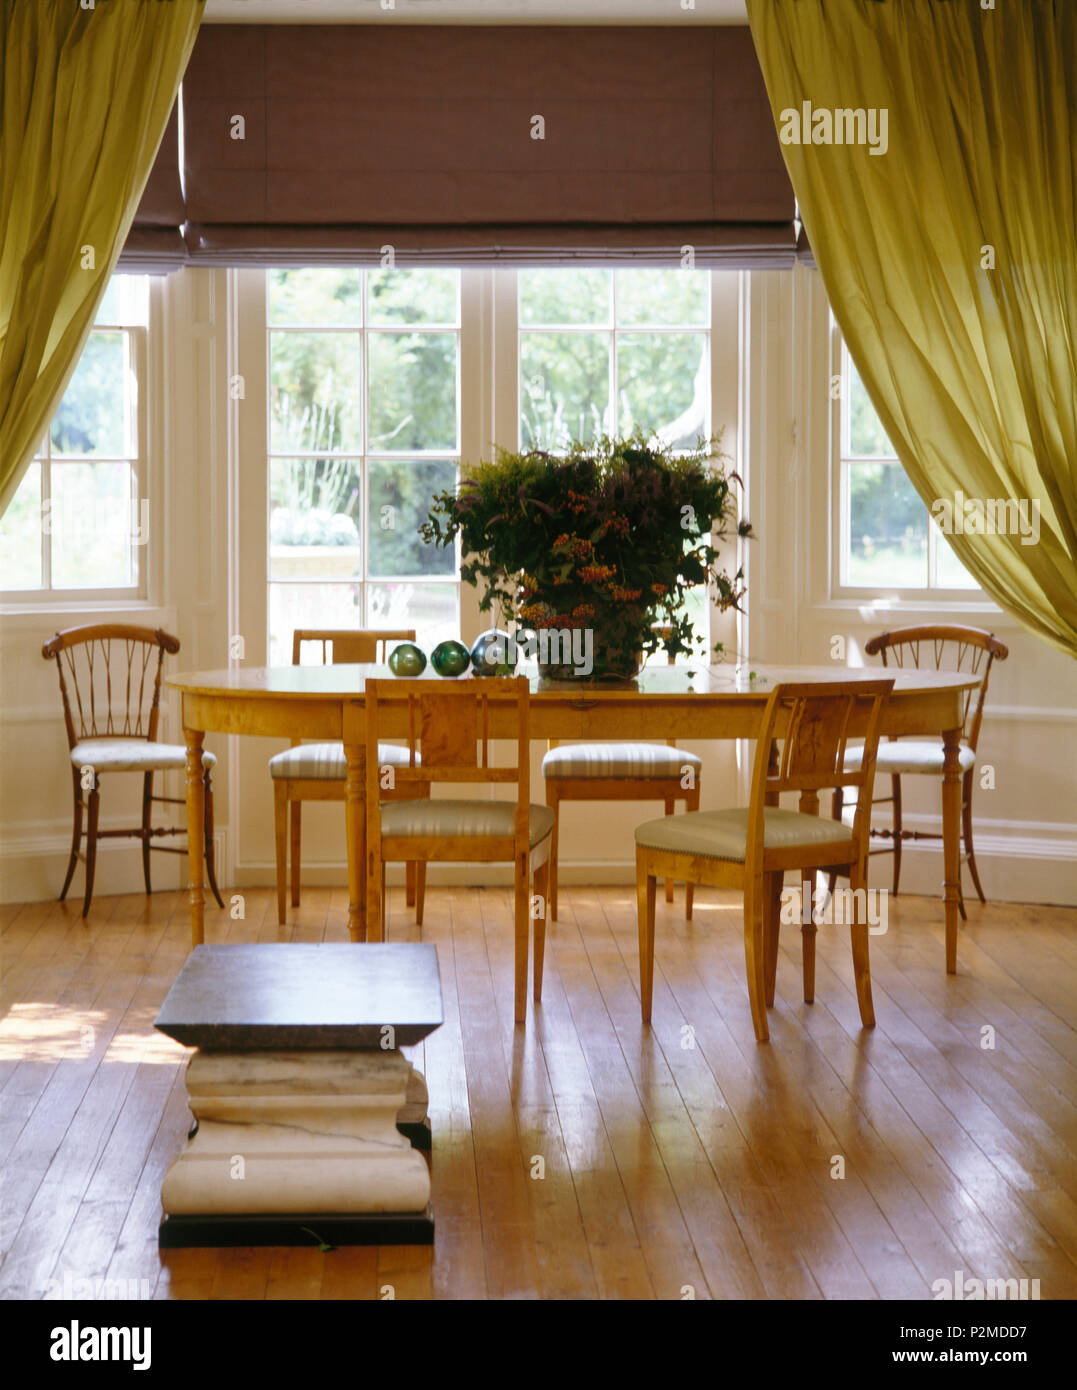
(945, 230)
(86, 95)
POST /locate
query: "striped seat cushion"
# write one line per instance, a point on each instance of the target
(460, 818)
(909, 755)
(326, 761)
(133, 755)
(635, 760)
(724, 834)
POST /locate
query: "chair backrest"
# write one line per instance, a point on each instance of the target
(945, 647)
(813, 723)
(349, 646)
(450, 723)
(110, 679)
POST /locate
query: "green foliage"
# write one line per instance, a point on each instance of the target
(609, 536)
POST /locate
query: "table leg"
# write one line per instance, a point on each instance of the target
(951, 841)
(809, 806)
(355, 815)
(196, 830)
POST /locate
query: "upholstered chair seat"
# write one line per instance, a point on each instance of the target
(910, 755)
(724, 834)
(636, 760)
(461, 818)
(326, 761)
(133, 755)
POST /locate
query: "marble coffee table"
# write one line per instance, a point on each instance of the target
(305, 1108)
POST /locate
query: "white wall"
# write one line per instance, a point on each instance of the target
(770, 365)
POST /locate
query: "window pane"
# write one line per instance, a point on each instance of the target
(867, 438)
(315, 518)
(314, 392)
(887, 529)
(433, 610)
(564, 388)
(315, 296)
(20, 535)
(94, 526)
(126, 302)
(564, 296)
(413, 296)
(412, 391)
(309, 605)
(94, 415)
(400, 495)
(663, 384)
(661, 296)
(950, 573)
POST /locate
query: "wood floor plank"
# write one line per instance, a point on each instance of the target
(679, 1160)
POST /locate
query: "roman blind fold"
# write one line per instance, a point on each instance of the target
(481, 144)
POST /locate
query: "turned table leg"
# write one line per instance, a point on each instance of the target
(196, 849)
(951, 841)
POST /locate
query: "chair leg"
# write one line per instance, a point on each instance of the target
(966, 835)
(522, 921)
(808, 932)
(859, 933)
(754, 957)
(691, 803)
(670, 805)
(837, 806)
(772, 906)
(420, 891)
(91, 843)
(409, 883)
(280, 836)
(554, 803)
(147, 804)
(211, 855)
(645, 899)
(76, 836)
(542, 889)
(297, 839)
(895, 782)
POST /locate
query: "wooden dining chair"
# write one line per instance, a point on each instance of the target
(318, 771)
(451, 726)
(110, 686)
(750, 848)
(942, 647)
(619, 772)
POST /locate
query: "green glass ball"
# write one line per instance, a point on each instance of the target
(407, 660)
(450, 659)
(490, 656)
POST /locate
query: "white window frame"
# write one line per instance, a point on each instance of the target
(47, 597)
(363, 456)
(931, 594)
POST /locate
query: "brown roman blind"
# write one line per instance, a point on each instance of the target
(331, 142)
(155, 242)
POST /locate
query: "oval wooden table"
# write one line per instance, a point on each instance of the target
(715, 702)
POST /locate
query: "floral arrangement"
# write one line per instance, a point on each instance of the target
(608, 536)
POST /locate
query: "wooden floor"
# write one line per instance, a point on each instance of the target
(684, 1155)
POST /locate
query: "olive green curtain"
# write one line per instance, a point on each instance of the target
(949, 254)
(86, 94)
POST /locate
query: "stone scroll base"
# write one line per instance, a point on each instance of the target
(300, 1147)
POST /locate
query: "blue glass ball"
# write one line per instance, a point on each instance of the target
(407, 660)
(450, 659)
(492, 654)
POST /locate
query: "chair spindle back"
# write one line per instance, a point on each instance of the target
(945, 647)
(110, 679)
